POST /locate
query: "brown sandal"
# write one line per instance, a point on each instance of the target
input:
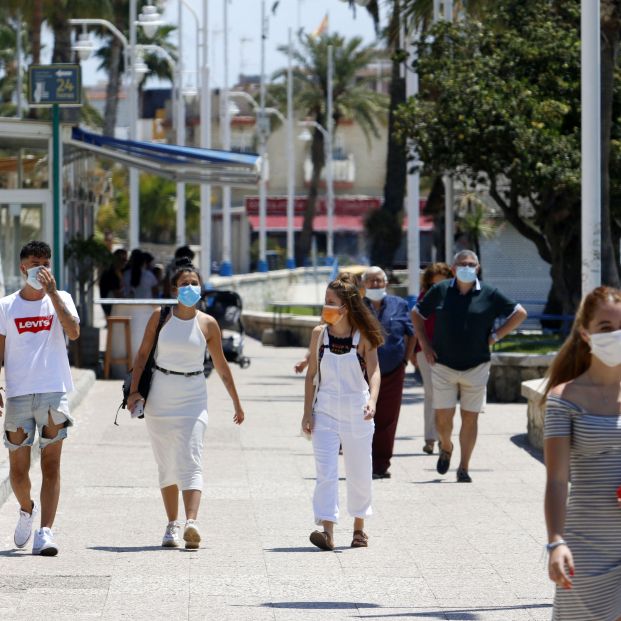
(322, 540)
(360, 540)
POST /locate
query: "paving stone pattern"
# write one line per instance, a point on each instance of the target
(437, 549)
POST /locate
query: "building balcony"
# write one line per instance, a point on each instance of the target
(343, 170)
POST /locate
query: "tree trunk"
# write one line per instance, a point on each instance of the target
(37, 19)
(383, 250)
(318, 160)
(112, 89)
(611, 27)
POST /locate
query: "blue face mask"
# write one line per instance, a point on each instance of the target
(189, 295)
(466, 273)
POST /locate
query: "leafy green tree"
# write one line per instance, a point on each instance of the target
(499, 103)
(351, 96)
(157, 208)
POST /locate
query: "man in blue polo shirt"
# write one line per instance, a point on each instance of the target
(392, 312)
(466, 310)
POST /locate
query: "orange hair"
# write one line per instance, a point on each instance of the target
(574, 357)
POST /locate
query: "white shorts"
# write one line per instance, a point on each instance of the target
(451, 385)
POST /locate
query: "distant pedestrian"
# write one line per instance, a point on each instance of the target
(433, 274)
(583, 445)
(340, 396)
(139, 281)
(176, 413)
(394, 316)
(459, 354)
(34, 322)
(111, 279)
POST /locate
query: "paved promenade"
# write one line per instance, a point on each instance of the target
(437, 549)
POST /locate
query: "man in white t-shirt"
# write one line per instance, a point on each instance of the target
(33, 325)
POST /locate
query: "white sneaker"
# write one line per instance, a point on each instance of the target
(23, 530)
(191, 536)
(44, 542)
(171, 536)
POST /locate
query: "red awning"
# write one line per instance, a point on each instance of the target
(342, 223)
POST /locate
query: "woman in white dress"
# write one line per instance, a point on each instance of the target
(176, 415)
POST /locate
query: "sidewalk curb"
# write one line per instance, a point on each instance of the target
(82, 384)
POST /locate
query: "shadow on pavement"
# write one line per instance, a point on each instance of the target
(319, 605)
(465, 614)
(120, 549)
(521, 441)
(16, 552)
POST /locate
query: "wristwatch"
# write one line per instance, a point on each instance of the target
(494, 335)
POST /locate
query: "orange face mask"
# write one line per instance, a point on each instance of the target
(330, 314)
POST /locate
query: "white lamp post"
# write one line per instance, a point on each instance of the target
(263, 131)
(134, 191)
(591, 145)
(205, 214)
(413, 196)
(290, 161)
(226, 267)
(180, 131)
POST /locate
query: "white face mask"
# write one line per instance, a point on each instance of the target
(375, 295)
(607, 347)
(32, 277)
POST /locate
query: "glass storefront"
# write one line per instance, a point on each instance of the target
(19, 224)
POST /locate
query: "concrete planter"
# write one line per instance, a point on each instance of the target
(509, 370)
(532, 390)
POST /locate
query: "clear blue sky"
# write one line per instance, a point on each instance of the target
(245, 33)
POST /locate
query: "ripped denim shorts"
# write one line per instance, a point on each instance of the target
(28, 412)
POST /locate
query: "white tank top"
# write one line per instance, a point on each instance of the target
(181, 345)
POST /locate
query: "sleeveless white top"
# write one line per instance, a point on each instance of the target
(181, 345)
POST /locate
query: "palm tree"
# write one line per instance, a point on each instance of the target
(352, 99)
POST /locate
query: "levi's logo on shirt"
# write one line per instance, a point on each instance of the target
(34, 324)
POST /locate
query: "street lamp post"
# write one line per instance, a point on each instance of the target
(263, 130)
(226, 268)
(591, 145)
(180, 131)
(205, 117)
(290, 161)
(134, 192)
(413, 195)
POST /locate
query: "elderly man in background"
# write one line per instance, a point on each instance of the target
(393, 314)
(466, 311)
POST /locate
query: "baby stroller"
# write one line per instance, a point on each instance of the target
(226, 308)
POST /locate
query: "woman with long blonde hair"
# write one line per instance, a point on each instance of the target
(583, 445)
(340, 395)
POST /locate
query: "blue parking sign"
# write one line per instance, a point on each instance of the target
(54, 84)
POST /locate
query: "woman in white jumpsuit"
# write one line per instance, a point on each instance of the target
(342, 384)
(176, 414)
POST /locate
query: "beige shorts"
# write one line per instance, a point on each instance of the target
(469, 387)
